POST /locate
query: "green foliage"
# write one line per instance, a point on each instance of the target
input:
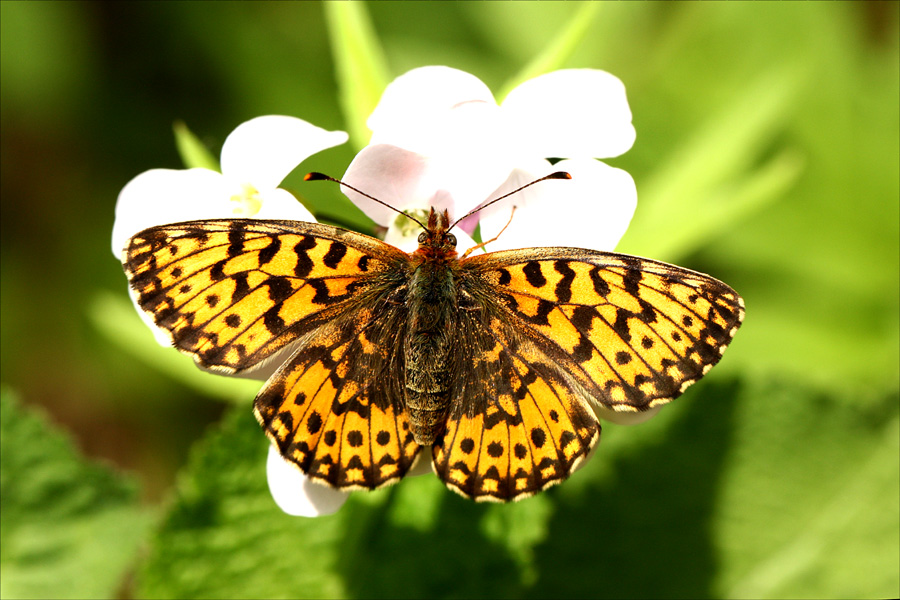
(118, 321)
(670, 508)
(359, 64)
(192, 151)
(767, 155)
(69, 528)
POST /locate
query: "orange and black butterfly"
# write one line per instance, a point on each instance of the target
(493, 360)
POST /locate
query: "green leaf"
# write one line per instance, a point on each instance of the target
(691, 196)
(70, 528)
(225, 537)
(194, 154)
(558, 51)
(362, 71)
(118, 321)
(809, 504)
(709, 495)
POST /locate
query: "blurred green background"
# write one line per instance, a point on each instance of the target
(767, 154)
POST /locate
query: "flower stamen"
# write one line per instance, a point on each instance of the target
(247, 203)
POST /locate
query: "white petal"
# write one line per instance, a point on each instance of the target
(464, 241)
(264, 150)
(472, 154)
(395, 176)
(423, 463)
(295, 493)
(163, 196)
(418, 96)
(625, 418)
(281, 204)
(571, 113)
(592, 210)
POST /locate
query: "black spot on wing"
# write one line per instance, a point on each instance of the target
(600, 284)
(564, 285)
(533, 274)
(279, 289)
(620, 326)
(273, 321)
(304, 264)
(335, 253)
(268, 253)
(235, 243)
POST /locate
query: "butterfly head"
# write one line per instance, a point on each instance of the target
(436, 237)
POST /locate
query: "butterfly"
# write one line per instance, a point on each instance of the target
(494, 361)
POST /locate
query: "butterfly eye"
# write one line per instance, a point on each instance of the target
(451, 239)
(422, 237)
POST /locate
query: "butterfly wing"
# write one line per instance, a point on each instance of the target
(517, 422)
(336, 408)
(570, 328)
(232, 293)
(634, 332)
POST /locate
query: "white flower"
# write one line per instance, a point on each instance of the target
(295, 493)
(256, 157)
(462, 150)
(439, 139)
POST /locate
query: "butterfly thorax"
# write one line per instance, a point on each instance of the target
(431, 302)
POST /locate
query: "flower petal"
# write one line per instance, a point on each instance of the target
(423, 463)
(262, 151)
(281, 204)
(162, 196)
(415, 98)
(395, 176)
(592, 210)
(295, 493)
(571, 113)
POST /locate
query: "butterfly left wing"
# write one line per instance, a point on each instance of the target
(232, 293)
(335, 408)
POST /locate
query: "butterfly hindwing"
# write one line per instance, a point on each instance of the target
(336, 407)
(516, 423)
(634, 333)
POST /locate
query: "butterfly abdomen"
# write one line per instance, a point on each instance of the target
(428, 344)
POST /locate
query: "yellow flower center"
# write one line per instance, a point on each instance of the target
(408, 227)
(247, 203)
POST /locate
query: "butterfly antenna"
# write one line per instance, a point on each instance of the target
(315, 176)
(556, 175)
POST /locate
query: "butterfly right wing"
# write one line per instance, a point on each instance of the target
(517, 423)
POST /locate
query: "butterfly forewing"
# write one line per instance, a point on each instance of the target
(633, 332)
(231, 293)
